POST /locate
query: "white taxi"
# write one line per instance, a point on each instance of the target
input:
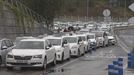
(31, 53)
(61, 47)
(75, 45)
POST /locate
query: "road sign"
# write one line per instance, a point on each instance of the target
(106, 12)
(131, 7)
(131, 20)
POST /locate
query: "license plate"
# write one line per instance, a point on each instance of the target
(22, 61)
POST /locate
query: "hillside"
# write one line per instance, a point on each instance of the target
(95, 8)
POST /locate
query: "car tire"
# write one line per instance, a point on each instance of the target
(79, 54)
(9, 68)
(0, 60)
(45, 64)
(54, 61)
(84, 52)
(69, 56)
(62, 59)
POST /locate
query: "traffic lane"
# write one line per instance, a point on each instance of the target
(90, 64)
(128, 40)
(30, 71)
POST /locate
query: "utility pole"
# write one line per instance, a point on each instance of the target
(87, 9)
(125, 9)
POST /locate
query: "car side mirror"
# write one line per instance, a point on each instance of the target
(4, 47)
(47, 47)
(80, 42)
(65, 45)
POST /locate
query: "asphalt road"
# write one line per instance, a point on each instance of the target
(89, 64)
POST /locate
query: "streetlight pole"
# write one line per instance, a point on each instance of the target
(87, 8)
(125, 10)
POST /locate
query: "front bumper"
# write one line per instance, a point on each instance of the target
(24, 63)
(59, 56)
(92, 46)
(111, 42)
(74, 52)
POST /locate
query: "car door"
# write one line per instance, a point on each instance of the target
(9, 45)
(3, 51)
(49, 52)
(52, 50)
(66, 49)
(80, 44)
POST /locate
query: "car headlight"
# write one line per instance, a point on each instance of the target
(38, 56)
(9, 56)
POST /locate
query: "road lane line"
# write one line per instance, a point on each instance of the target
(123, 47)
(67, 63)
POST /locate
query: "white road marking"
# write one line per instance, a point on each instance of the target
(124, 47)
(67, 63)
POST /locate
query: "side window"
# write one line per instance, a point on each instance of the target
(11, 43)
(80, 39)
(3, 44)
(49, 44)
(8, 43)
(65, 41)
(46, 44)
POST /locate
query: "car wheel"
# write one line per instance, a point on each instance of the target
(83, 52)
(0, 60)
(54, 61)
(62, 59)
(45, 64)
(9, 68)
(106, 45)
(78, 53)
(69, 55)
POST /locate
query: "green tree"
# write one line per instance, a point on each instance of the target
(46, 8)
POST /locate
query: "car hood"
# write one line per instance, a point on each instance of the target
(58, 48)
(72, 44)
(27, 52)
(100, 38)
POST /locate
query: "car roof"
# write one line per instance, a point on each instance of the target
(52, 37)
(81, 35)
(33, 40)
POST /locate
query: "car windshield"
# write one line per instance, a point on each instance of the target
(83, 38)
(30, 45)
(71, 39)
(18, 39)
(99, 35)
(90, 37)
(83, 31)
(55, 42)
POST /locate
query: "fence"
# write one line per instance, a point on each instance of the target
(18, 20)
